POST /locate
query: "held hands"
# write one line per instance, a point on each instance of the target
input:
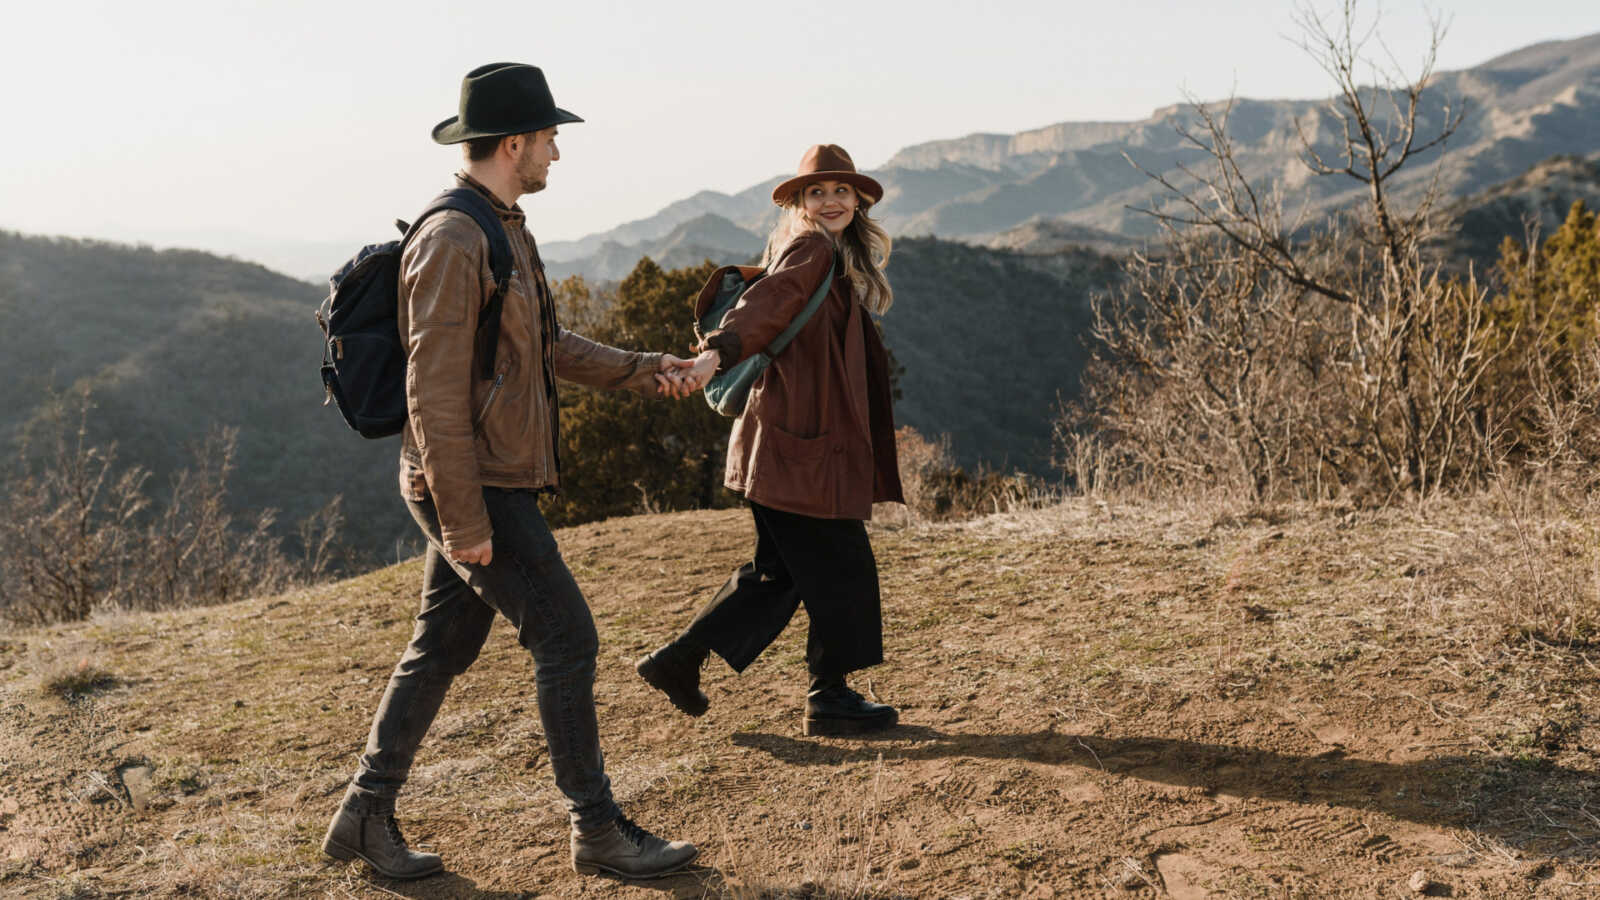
(703, 367)
(670, 379)
(681, 377)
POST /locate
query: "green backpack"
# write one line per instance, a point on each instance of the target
(727, 391)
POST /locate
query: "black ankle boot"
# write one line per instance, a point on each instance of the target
(833, 709)
(675, 671)
(364, 826)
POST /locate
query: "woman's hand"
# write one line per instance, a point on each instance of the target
(703, 367)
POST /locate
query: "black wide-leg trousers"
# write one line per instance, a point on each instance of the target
(826, 564)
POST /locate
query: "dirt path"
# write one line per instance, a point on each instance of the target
(1123, 701)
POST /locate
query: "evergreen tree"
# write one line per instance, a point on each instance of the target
(622, 453)
(1551, 297)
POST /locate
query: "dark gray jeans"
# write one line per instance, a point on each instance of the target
(529, 584)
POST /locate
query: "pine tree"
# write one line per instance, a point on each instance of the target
(622, 453)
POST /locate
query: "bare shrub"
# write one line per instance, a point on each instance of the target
(78, 534)
(936, 488)
(1545, 385)
(1277, 361)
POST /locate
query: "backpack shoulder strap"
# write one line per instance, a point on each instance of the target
(804, 316)
(475, 205)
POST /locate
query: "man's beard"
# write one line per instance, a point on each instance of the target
(527, 176)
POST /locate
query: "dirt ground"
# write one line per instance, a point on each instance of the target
(1096, 700)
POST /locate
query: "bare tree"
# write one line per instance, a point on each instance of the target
(1256, 325)
(67, 525)
(77, 535)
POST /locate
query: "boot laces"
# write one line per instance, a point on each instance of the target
(393, 829)
(633, 832)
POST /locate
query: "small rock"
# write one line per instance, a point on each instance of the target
(805, 826)
(139, 783)
(1419, 882)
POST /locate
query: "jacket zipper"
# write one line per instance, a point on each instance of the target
(499, 379)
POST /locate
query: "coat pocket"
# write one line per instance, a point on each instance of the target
(793, 473)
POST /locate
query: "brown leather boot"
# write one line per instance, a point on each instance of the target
(623, 848)
(364, 826)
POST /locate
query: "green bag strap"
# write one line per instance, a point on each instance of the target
(783, 339)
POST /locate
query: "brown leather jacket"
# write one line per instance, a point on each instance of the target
(817, 433)
(464, 433)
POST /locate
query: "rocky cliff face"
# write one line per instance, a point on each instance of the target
(1520, 109)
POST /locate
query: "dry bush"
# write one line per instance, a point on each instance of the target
(1275, 361)
(79, 534)
(937, 489)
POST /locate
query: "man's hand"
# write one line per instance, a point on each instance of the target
(670, 379)
(478, 555)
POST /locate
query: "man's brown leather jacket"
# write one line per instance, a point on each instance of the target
(464, 433)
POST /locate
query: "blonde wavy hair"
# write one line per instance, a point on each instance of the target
(863, 247)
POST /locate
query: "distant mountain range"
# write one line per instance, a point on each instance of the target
(1521, 108)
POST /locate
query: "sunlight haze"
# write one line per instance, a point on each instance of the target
(243, 127)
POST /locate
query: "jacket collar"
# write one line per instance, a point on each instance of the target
(511, 215)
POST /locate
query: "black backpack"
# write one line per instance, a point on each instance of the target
(363, 366)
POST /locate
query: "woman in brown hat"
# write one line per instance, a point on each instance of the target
(812, 451)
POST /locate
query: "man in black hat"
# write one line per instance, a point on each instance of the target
(476, 453)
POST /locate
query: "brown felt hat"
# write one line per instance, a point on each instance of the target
(828, 162)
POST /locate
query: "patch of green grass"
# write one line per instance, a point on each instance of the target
(1023, 854)
(182, 777)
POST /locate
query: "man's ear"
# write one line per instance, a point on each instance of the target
(512, 144)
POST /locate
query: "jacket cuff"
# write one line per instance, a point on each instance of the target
(727, 345)
(645, 380)
(467, 537)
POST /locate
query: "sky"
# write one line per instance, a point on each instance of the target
(244, 126)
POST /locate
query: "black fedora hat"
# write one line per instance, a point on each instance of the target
(501, 99)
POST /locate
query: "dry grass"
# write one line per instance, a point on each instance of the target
(1096, 696)
(79, 681)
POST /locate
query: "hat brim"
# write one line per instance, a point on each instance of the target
(862, 183)
(452, 131)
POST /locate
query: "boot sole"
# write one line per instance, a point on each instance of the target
(587, 868)
(345, 853)
(650, 674)
(832, 727)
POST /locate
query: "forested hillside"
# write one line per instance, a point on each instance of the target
(988, 339)
(175, 343)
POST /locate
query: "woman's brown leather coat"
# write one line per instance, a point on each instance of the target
(817, 433)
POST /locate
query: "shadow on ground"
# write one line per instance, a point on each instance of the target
(694, 882)
(1506, 798)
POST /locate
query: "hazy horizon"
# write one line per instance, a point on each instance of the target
(239, 128)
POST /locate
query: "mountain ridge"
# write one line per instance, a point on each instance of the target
(1523, 107)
